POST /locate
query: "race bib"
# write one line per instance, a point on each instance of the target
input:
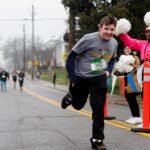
(20, 79)
(3, 76)
(98, 65)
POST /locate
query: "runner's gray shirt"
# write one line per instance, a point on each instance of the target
(94, 53)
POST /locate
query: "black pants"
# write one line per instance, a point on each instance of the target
(97, 89)
(133, 104)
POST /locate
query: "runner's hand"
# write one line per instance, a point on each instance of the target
(107, 73)
(72, 83)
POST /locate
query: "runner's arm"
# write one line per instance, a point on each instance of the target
(111, 65)
(70, 66)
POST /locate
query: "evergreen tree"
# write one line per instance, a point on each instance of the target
(90, 12)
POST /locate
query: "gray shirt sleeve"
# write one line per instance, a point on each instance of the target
(81, 45)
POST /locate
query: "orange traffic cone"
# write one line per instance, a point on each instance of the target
(106, 117)
(122, 88)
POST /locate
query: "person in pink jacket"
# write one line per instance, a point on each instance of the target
(143, 46)
(140, 45)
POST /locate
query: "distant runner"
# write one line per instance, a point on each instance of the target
(14, 78)
(21, 76)
(4, 77)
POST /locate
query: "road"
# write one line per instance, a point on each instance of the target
(33, 120)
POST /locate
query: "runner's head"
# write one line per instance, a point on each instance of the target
(107, 27)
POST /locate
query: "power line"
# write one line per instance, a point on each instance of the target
(38, 19)
(43, 19)
(55, 30)
(55, 41)
(15, 19)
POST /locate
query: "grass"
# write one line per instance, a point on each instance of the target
(63, 80)
(61, 76)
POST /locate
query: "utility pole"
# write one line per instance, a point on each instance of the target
(14, 48)
(24, 47)
(32, 73)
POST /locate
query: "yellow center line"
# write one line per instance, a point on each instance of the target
(115, 123)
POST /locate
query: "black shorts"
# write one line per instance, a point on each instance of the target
(14, 79)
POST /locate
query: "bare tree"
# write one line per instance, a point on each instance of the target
(12, 51)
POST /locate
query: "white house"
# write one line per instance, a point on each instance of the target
(58, 54)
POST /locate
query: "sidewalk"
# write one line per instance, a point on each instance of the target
(115, 99)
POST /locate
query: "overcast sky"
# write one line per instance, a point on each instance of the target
(22, 9)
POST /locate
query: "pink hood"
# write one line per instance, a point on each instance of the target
(139, 45)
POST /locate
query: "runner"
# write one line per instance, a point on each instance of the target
(88, 65)
(21, 76)
(0, 76)
(14, 78)
(38, 74)
(4, 77)
(54, 78)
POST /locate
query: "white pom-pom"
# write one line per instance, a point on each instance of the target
(125, 64)
(147, 19)
(128, 68)
(122, 58)
(123, 26)
(119, 67)
(130, 59)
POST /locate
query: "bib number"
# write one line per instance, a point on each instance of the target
(3, 76)
(98, 65)
(20, 79)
